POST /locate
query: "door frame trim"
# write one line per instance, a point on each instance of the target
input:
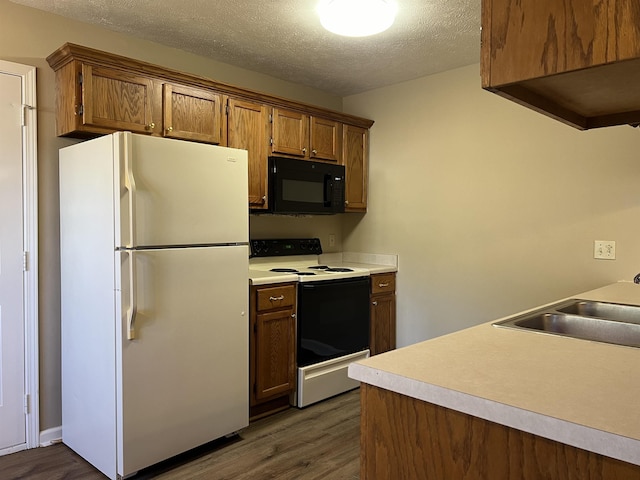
(27, 74)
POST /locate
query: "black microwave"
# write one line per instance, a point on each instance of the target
(302, 186)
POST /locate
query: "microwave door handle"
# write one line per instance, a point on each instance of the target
(328, 190)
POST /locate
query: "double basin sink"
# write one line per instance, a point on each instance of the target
(589, 320)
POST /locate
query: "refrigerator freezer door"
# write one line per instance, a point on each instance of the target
(183, 380)
(173, 192)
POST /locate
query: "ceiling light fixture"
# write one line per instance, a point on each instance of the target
(357, 18)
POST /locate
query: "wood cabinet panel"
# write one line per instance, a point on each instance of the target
(383, 323)
(355, 158)
(573, 60)
(290, 132)
(402, 437)
(382, 336)
(116, 100)
(533, 38)
(275, 344)
(192, 114)
(248, 129)
(276, 297)
(325, 139)
(383, 283)
(272, 373)
(308, 137)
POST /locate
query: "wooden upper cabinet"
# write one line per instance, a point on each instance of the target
(290, 132)
(324, 139)
(248, 129)
(305, 136)
(191, 113)
(115, 100)
(355, 158)
(575, 60)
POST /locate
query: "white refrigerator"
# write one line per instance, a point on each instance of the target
(154, 298)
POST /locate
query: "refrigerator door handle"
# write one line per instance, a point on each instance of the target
(132, 310)
(130, 185)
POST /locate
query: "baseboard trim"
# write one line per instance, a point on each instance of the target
(50, 436)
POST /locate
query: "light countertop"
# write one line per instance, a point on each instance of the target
(374, 263)
(581, 393)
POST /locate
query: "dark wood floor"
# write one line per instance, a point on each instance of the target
(320, 442)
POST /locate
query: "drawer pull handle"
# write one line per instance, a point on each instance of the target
(382, 285)
(273, 299)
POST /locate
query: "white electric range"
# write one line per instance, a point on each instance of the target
(332, 322)
(306, 267)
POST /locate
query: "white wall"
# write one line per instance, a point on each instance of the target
(492, 208)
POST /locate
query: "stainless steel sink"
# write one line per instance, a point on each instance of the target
(608, 311)
(597, 321)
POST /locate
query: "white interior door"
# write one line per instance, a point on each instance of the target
(12, 366)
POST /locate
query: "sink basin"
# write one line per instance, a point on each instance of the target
(597, 321)
(608, 311)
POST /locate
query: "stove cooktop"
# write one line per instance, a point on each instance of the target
(298, 256)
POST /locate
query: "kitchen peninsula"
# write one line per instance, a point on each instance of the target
(499, 403)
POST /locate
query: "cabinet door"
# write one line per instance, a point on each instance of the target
(325, 138)
(192, 114)
(116, 100)
(248, 128)
(383, 323)
(274, 357)
(290, 133)
(525, 39)
(355, 142)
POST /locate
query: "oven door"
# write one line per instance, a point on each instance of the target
(333, 319)
(302, 186)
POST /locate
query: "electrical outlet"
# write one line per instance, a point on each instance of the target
(604, 249)
(332, 240)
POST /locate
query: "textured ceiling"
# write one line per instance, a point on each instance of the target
(284, 39)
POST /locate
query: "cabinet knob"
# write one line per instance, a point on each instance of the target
(314, 151)
(374, 303)
(151, 126)
(304, 150)
(346, 202)
(293, 315)
(169, 129)
(264, 199)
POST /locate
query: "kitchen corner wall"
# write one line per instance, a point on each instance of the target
(492, 208)
(28, 36)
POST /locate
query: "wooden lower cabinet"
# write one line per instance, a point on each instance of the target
(271, 347)
(383, 313)
(402, 437)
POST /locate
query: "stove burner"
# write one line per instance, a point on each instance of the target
(306, 273)
(318, 267)
(339, 269)
(284, 270)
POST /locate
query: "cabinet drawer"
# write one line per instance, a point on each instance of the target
(276, 297)
(385, 282)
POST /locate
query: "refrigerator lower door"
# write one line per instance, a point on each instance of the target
(183, 379)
